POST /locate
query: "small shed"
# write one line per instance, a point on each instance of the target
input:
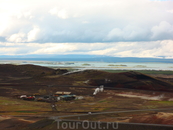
(62, 93)
(67, 97)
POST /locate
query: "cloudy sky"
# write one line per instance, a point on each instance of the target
(124, 28)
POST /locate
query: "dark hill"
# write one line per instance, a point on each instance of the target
(130, 80)
(31, 78)
(23, 70)
(27, 78)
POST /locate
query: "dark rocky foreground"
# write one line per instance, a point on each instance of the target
(47, 124)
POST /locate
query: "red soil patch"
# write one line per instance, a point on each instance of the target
(159, 118)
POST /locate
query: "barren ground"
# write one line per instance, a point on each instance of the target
(20, 114)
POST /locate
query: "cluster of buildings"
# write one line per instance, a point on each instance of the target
(59, 95)
(49, 98)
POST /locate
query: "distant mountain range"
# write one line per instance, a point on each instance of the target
(75, 57)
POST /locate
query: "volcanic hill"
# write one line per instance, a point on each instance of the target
(129, 80)
(31, 78)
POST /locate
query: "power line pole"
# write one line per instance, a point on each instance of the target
(52, 99)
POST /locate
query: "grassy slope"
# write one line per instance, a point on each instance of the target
(143, 71)
(11, 106)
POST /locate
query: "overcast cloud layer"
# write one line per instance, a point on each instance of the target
(139, 28)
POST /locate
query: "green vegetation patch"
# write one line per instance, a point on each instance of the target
(13, 106)
(26, 111)
(102, 101)
(143, 71)
(86, 64)
(163, 102)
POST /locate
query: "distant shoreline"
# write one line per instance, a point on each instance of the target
(96, 65)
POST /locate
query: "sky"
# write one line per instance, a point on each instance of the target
(120, 28)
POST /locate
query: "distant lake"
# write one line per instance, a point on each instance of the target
(98, 65)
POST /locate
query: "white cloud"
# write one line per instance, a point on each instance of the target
(52, 48)
(34, 34)
(128, 33)
(9, 50)
(108, 27)
(19, 37)
(163, 30)
(60, 13)
(85, 21)
(170, 11)
(115, 33)
(121, 49)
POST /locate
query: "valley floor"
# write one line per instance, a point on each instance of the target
(112, 105)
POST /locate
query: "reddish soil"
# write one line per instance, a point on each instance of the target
(159, 118)
(13, 124)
